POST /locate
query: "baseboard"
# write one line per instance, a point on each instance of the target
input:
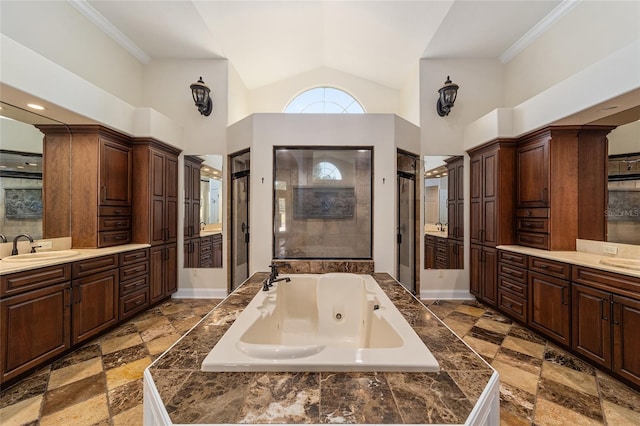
(199, 293)
(446, 295)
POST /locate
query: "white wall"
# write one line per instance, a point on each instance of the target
(589, 33)
(238, 102)
(58, 32)
(480, 82)
(374, 97)
(269, 130)
(410, 97)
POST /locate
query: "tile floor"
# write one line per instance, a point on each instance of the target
(101, 383)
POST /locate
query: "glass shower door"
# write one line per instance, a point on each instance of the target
(240, 236)
(406, 231)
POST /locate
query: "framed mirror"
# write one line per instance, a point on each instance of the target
(444, 212)
(24, 178)
(203, 211)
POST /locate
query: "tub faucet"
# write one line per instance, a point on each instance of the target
(273, 277)
(14, 251)
(3, 238)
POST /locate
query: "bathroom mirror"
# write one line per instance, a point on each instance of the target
(444, 212)
(623, 209)
(23, 201)
(203, 211)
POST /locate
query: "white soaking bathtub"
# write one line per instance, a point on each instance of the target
(328, 322)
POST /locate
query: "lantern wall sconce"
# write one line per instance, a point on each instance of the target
(200, 92)
(447, 97)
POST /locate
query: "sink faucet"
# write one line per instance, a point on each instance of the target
(3, 238)
(439, 225)
(15, 243)
(273, 277)
(202, 225)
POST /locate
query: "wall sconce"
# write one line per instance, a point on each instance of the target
(447, 97)
(200, 93)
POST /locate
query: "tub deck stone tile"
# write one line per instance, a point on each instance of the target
(447, 397)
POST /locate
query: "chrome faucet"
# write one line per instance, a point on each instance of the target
(3, 238)
(15, 243)
(439, 225)
(202, 225)
(273, 277)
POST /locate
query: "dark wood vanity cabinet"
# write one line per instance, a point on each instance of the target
(483, 274)
(134, 283)
(35, 318)
(549, 298)
(429, 252)
(513, 294)
(561, 193)
(606, 320)
(191, 196)
(95, 196)
(455, 197)
(492, 206)
(94, 297)
(163, 280)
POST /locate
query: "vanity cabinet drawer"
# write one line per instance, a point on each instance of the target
(609, 281)
(512, 272)
(135, 256)
(33, 279)
(114, 211)
(538, 213)
(531, 239)
(512, 305)
(114, 223)
(135, 284)
(87, 267)
(114, 238)
(514, 287)
(206, 260)
(512, 258)
(532, 225)
(550, 267)
(131, 271)
(134, 303)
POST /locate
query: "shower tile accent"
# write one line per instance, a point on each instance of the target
(324, 266)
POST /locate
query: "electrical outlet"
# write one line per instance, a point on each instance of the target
(440, 274)
(45, 244)
(610, 249)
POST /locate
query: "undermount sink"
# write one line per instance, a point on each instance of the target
(40, 256)
(622, 263)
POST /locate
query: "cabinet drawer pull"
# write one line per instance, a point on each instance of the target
(117, 211)
(139, 302)
(508, 305)
(543, 266)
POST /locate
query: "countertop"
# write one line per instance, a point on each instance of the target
(446, 397)
(590, 260)
(441, 234)
(10, 267)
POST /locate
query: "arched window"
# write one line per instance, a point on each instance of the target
(324, 100)
(325, 170)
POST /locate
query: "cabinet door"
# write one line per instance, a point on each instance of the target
(533, 173)
(626, 344)
(549, 306)
(158, 199)
(476, 198)
(217, 253)
(429, 255)
(171, 269)
(171, 185)
(591, 325)
(475, 278)
(95, 305)
(34, 327)
(489, 276)
(115, 174)
(488, 231)
(156, 276)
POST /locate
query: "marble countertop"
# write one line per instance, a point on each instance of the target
(590, 260)
(11, 267)
(441, 234)
(446, 397)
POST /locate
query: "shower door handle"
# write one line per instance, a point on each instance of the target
(245, 231)
(399, 237)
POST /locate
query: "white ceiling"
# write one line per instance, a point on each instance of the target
(268, 41)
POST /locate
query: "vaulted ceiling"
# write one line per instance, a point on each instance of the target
(268, 41)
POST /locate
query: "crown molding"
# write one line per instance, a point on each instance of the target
(109, 29)
(540, 28)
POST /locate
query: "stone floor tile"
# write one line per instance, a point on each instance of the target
(548, 414)
(618, 415)
(90, 412)
(494, 326)
(486, 349)
(161, 344)
(576, 380)
(127, 373)
(23, 412)
(533, 349)
(131, 417)
(471, 310)
(458, 327)
(121, 342)
(75, 372)
(515, 377)
(125, 397)
(74, 393)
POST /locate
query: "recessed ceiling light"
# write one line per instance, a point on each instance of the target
(36, 106)
(31, 164)
(19, 167)
(206, 169)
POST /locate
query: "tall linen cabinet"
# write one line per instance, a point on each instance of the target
(492, 206)
(155, 211)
